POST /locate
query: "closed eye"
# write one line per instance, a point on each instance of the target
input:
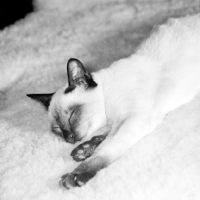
(75, 116)
(71, 116)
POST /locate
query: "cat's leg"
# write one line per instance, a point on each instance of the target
(111, 149)
(86, 149)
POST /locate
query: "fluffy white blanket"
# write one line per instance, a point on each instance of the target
(33, 55)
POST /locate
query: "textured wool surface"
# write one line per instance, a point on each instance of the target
(33, 55)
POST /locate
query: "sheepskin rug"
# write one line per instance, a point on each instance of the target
(164, 165)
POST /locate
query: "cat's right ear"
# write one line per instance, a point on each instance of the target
(78, 75)
(44, 99)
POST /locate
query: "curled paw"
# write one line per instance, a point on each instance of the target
(72, 180)
(87, 148)
(67, 181)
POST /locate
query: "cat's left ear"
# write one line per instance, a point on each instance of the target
(78, 75)
(42, 98)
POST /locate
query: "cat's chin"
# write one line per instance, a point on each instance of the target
(73, 139)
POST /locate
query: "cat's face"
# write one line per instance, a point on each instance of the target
(76, 110)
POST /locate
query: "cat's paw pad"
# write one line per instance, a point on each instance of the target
(75, 180)
(83, 151)
(87, 148)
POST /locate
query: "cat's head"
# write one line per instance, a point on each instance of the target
(76, 110)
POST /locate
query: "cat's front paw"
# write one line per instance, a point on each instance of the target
(87, 148)
(72, 180)
(68, 181)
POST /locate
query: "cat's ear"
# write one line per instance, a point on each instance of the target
(42, 98)
(78, 75)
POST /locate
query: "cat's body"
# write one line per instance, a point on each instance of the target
(132, 97)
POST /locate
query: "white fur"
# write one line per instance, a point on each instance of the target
(161, 76)
(163, 166)
(135, 94)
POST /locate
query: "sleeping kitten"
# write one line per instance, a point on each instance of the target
(114, 108)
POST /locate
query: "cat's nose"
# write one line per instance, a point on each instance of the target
(69, 137)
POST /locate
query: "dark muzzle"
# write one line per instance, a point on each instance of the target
(69, 137)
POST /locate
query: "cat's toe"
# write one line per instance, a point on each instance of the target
(79, 158)
(98, 139)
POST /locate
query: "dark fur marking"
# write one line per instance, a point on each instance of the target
(67, 133)
(42, 98)
(69, 89)
(91, 83)
(82, 76)
(74, 119)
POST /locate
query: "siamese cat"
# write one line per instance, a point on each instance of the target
(112, 109)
